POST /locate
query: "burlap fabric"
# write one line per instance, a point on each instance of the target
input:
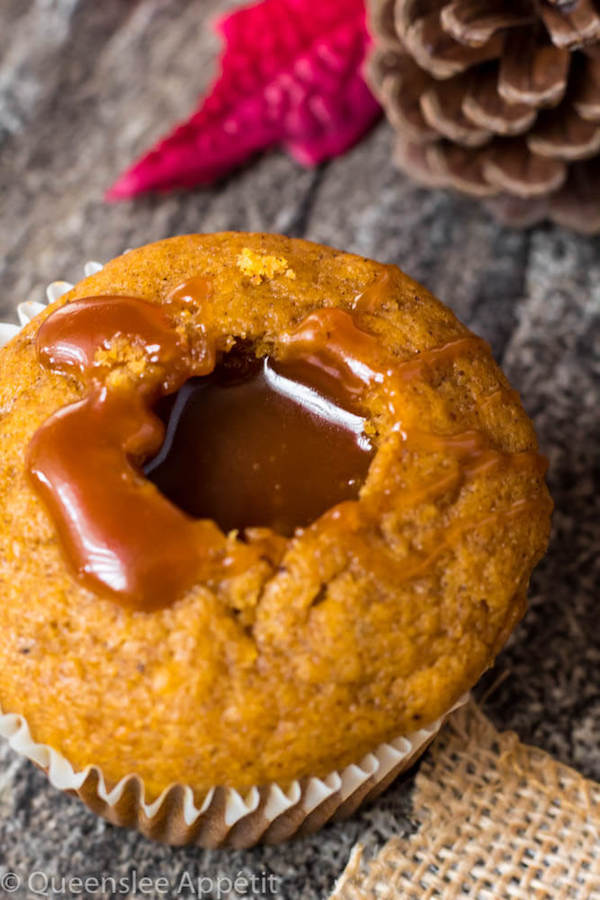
(497, 819)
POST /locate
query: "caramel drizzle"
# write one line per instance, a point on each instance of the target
(119, 532)
(417, 563)
(474, 456)
(333, 340)
(500, 394)
(330, 339)
(121, 535)
(374, 297)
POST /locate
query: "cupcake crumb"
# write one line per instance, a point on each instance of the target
(261, 267)
(124, 358)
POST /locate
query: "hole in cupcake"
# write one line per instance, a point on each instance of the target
(260, 443)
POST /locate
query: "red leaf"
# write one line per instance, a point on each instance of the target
(290, 74)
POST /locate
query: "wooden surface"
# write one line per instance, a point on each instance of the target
(85, 86)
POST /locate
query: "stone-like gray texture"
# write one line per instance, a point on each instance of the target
(84, 87)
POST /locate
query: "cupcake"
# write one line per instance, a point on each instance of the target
(267, 511)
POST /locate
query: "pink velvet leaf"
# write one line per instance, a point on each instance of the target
(291, 74)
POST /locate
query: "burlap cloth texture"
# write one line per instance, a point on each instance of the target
(497, 818)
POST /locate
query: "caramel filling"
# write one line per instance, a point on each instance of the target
(252, 445)
(120, 534)
(272, 443)
(248, 443)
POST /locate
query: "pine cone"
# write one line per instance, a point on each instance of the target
(497, 98)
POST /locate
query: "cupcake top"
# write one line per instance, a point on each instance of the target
(264, 505)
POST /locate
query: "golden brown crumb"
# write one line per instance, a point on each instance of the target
(261, 267)
(126, 360)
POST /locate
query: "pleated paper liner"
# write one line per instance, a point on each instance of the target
(224, 818)
(30, 308)
(268, 814)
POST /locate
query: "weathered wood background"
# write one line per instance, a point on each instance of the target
(85, 86)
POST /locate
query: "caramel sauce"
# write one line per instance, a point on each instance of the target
(499, 395)
(417, 563)
(119, 532)
(125, 538)
(331, 339)
(193, 294)
(376, 295)
(239, 443)
(244, 459)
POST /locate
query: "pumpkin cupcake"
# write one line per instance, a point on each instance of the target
(267, 511)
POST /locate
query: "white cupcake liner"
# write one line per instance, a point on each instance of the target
(30, 308)
(225, 817)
